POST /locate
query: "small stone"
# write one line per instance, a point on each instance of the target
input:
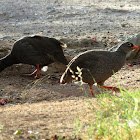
(124, 25)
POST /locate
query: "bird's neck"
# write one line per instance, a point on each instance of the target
(121, 51)
(6, 62)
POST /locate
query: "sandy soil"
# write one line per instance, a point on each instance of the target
(44, 105)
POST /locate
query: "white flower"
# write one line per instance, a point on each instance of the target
(30, 132)
(131, 124)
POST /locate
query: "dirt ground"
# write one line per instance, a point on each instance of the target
(44, 106)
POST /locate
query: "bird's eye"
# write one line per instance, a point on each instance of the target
(129, 44)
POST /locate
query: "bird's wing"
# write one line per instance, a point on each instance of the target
(86, 59)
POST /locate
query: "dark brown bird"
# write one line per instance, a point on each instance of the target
(37, 50)
(97, 66)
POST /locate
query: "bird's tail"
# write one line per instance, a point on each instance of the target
(6, 62)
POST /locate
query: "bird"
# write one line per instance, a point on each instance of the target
(97, 66)
(134, 63)
(35, 50)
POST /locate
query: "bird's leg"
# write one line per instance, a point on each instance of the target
(36, 72)
(111, 88)
(91, 90)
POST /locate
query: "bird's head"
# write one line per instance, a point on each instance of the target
(127, 47)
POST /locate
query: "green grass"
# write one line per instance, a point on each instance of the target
(117, 118)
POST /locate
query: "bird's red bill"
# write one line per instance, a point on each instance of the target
(135, 47)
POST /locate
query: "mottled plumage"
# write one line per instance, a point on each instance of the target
(97, 65)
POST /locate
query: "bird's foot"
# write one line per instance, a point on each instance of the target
(111, 88)
(134, 63)
(37, 76)
(34, 74)
(31, 74)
